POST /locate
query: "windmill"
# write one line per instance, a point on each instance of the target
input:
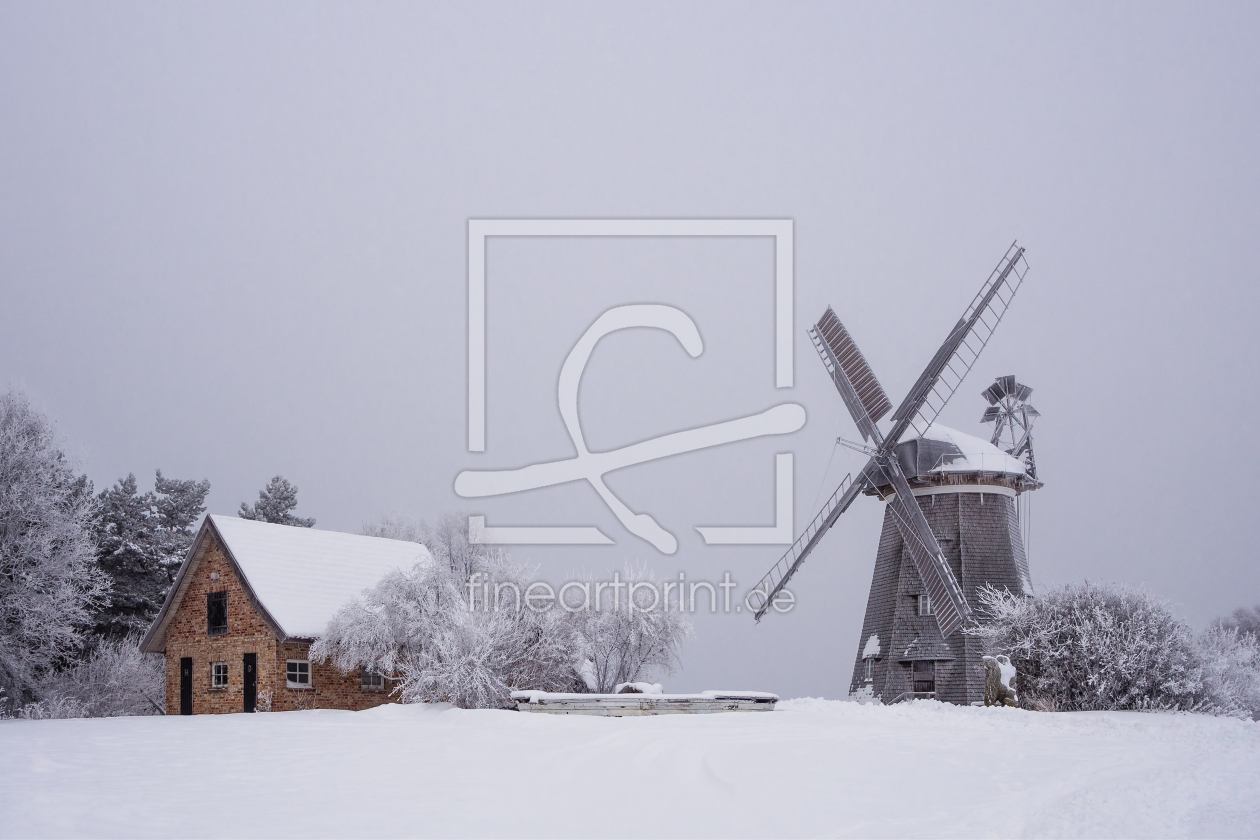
(1013, 419)
(932, 479)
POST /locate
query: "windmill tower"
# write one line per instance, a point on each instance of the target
(950, 521)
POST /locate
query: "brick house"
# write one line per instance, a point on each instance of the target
(245, 607)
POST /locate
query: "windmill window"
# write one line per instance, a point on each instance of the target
(218, 675)
(371, 680)
(868, 667)
(924, 676)
(925, 605)
(298, 673)
(216, 614)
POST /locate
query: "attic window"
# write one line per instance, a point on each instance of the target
(216, 614)
(298, 673)
(371, 680)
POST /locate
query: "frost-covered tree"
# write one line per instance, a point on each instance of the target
(459, 630)
(1245, 620)
(444, 642)
(631, 634)
(141, 541)
(275, 504)
(448, 540)
(49, 582)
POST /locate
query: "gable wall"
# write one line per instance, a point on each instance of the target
(186, 636)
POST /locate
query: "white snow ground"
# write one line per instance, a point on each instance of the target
(811, 768)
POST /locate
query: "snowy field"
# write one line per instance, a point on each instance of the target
(811, 768)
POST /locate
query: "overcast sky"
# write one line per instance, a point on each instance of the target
(233, 244)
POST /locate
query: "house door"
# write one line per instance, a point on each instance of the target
(251, 681)
(185, 686)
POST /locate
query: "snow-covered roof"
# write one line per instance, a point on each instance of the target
(303, 576)
(299, 577)
(976, 455)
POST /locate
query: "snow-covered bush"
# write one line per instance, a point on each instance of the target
(49, 582)
(1096, 647)
(628, 642)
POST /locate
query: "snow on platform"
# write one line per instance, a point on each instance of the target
(811, 768)
(648, 699)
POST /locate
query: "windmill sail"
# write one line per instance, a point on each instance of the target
(781, 572)
(949, 605)
(955, 358)
(852, 375)
(867, 403)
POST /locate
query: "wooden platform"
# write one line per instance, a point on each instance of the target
(620, 705)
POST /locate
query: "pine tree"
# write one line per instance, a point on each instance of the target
(141, 541)
(177, 507)
(275, 504)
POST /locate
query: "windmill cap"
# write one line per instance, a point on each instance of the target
(943, 450)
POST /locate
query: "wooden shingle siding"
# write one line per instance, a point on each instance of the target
(979, 535)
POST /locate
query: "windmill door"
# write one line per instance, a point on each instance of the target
(251, 681)
(185, 686)
(924, 676)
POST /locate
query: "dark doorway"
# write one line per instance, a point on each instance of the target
(185, 686)
(924, 676)
(251, 682)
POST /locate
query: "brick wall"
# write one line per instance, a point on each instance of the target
(187, 636)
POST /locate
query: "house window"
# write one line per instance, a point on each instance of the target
(218, 675)
(298, 673)
(924, 675)
(925, 605)
(216, 614)
(868, 667)
(371, 680)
